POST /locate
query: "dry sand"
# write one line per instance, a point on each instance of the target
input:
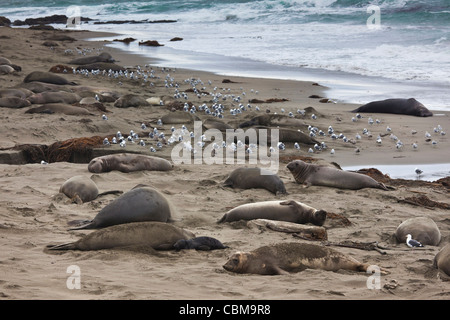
(33, 214)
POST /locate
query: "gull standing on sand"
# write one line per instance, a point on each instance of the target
(412, 243)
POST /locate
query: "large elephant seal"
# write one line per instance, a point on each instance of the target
(318, 175)
(283, 258)
(14, 102)
(102, 57)
(290, 211)
(138, 204)
(199, 243)
(178, 117)
(248, 178)
(157, 235)
(130, 101)
(63, 108)
(442, 262)
(273, 120)
(54, 97)
(47, 77)
(128, 162)
(422, 229)
(80, 189)
(396, 106)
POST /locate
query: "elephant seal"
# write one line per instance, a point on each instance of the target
(67, 109)
(157, 235)
(47, 77)
(199, 243)
(318, 175)
(138, 204)
(421, 229)
(409, 106)
(38, 87)
(6, 69)
(216, 124)
(80, 189)
(128, 162)
(178, 117)
(284, 135)
(248, 178)
(54, 97)
(130, 101)
(442, 262)
(273, 120)
(283, 258)
(14, 102)
(102, 57)
(290, 211)
(12, 92)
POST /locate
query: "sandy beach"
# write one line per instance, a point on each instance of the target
(33, 214)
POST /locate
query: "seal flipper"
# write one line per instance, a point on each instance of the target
(64, 246)
(81, 224)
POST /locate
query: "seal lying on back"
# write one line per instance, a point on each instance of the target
(247, 178)
(316, 175)
(422, 229)
(396, 106)
(157, 235)
(128, 162)
(138, 204)
(199, 243)
(290, 211)
(283, 258)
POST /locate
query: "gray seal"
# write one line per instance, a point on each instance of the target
(442, 262)
(199, 243)
(422, 229)
(318, 175)
(138, 204)
(248, 178)
(290, 211)
(156, 235)
(409, 106)
(79, 189)
(128, 162)
(283, 258)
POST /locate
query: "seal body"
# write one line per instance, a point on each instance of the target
(80, 187)
(136, 205)
(396, 106)
(199, 243)
(283, 258)
(442, 262)
(273, 120)
(290, 211)
(102, 57)
(129, 101)
(47, 77)
(63, 108)
(421, 229)
(157, 235)
(128, 162)
(247, 178)
(14, 102)
(316, 175)
(54, 97)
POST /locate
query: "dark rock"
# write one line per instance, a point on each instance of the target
(150, 43)
(4, 22)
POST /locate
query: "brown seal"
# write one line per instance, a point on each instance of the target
(54, 97)
(273, 120)
(248, 178)
(442, 262)
(130, 101)
(409, 106)
(68, 109)
(283, 258)
(102, 57)
(14, 102)
(156, 235)
(421, 229)
(128, 162)
(47, 77)
(80, 189)
(290, 211)
(318, 175)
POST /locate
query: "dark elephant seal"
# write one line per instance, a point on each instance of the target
(248, 178)
(12, 92)
(67, 109)
(318, 175)
(216, 124)
(442, 262)
(199, 243)
(283, 258)
(128, 162)
(290, 211)
(157, 235)
(396, 106)
(273, 120)
(130, 101)
(421, 229)
(47, 77)
(80, 189)
(14, 102)
(102, 57)
(38, 87)
(138, 204)
(54, 97)
(178, 117)
(284, 135)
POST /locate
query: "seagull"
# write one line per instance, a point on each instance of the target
(412, 243)
(418, 171)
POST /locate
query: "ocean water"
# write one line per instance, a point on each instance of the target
(362, 50)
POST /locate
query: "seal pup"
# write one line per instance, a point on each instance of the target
(138, 204)
(290, 211)
(129, 101)
(319, 175)
(157, 235)
(409, 106)
(248, 178)
(14, 102)
(423, 229)
(80, 189)
(199, 243)
(283, 258)
(128, 162)
(47, 77)
(442, 262)
(54, 97)
(63, 108)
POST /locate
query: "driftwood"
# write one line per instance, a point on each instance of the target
(299, 230)
(358, 245)
(424, 201)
